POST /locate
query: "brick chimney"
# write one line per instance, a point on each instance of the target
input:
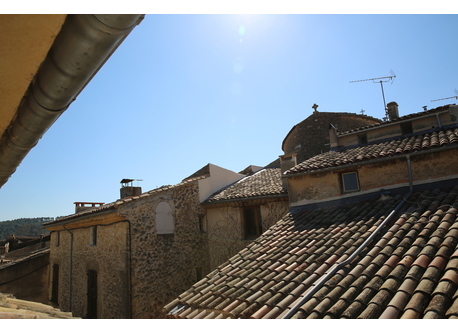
(392, 109)
(287, 162)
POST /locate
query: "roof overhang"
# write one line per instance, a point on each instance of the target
(46, 61)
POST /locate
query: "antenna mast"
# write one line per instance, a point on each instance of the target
(440, 99)
(380, 80)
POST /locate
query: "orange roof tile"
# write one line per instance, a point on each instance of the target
(409, 270)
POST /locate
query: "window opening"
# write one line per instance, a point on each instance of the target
(199, 273)
(350, 182)
(201, 223)
(93, 240)
(55, 284)
(91, 294)
(406, 128)
(252, 221)
(362, 139)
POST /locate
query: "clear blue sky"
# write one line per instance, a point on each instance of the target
(186, 90)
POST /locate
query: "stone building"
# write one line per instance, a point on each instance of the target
(240, 213)
(379, 157)
(126, 259)
(310, 137)
(372, 232)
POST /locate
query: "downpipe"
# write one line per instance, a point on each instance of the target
(70, 270)
(328, 275)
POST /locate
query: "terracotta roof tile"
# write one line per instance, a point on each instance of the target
(263, 183)
(453, 309)
(392, 147)
(410, 270)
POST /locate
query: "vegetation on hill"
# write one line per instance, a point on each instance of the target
(30, 227)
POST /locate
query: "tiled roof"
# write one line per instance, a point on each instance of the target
(12, 308)
(409, 270)
(402, 118)
(399, 146)
(120, 202)
(265, 182)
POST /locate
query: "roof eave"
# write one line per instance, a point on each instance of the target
(372, 161)
(263, 197)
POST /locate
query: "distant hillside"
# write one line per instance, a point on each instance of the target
(31, 227)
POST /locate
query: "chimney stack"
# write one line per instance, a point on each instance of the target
(393, 112)
(128, 190)
(82, 206)
(333, 139)
(287, 162)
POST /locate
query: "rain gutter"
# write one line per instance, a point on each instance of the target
(329, 274)
(81, 48)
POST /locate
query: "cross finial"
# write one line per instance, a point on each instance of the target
(362, 111)
(315, 107)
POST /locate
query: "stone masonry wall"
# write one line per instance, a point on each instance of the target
(108, 257)
(312, 134)
(225, 227)
(165, 265)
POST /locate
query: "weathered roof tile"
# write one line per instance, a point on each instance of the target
(263, 183)
(410, 270)
(378, 150)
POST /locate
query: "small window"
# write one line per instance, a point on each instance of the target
(252, 222)
(201, 223)
(57, 234)
(406, 128)
(91, 294)
(362, 139)
(350, 182)
(55, 284)
(164, 219)
(93, 240)
(199, 273)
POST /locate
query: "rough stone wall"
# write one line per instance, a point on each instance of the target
(225, 227)
(312, 134)
(60, 255)
(108, 257)
(163, 266)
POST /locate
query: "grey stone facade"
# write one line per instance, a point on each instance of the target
(164, 265)
(311, 136)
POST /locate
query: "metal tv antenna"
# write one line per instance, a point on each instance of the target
(440, 99)
(381, 80)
